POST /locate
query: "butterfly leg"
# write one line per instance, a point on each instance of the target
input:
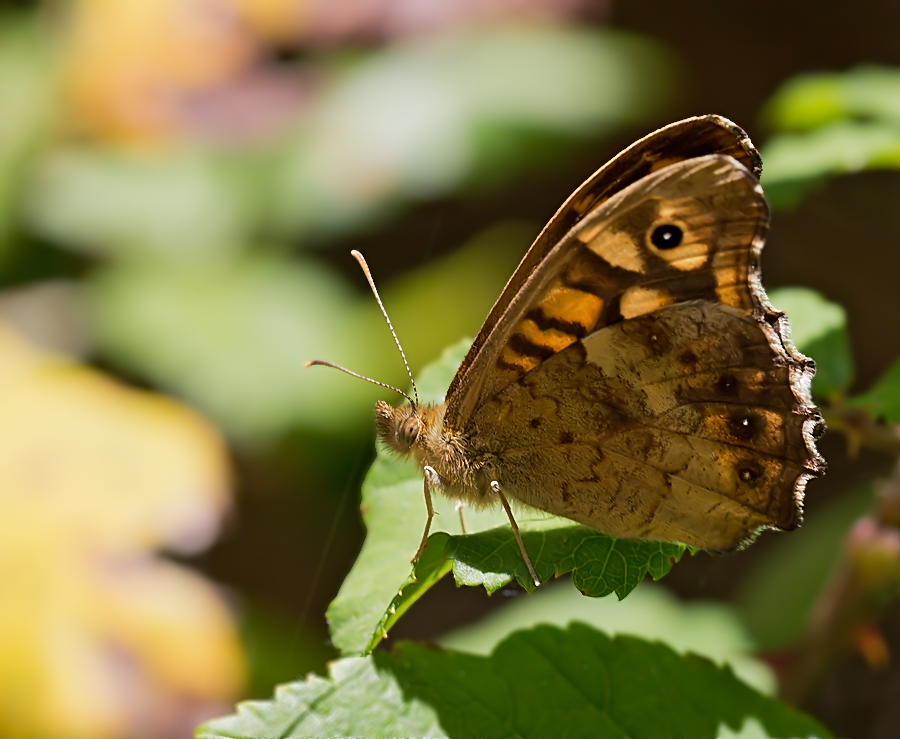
(495, 487)
(431, 480)
(460, 506)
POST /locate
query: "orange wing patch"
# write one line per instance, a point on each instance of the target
(570, 305)
(731, 268)
(638, 301)
(559, 317)
(618, 248)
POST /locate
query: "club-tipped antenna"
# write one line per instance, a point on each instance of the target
(314, 362)
(365, 268)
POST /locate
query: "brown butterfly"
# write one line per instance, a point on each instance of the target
(633, 376)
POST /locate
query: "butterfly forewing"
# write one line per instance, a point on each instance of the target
(680, 141)
(607, 268)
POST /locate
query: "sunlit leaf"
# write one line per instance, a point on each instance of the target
(819, 330)
(882, 400)
(94, 477)
(539, 683)
(381, 586)
(798, 162)
(710, 629)
(811, 101)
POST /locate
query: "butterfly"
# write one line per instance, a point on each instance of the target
(632, 376)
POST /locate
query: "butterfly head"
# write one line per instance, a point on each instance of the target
(399, 428)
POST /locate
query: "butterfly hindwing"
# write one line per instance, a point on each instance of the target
(678, 425)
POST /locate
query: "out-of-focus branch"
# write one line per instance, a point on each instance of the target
(862, 430)
(865, 580)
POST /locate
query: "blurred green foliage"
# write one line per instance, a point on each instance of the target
(28, 103)
(200, 291)
(828, 125)
(813, 101)
(819, 330)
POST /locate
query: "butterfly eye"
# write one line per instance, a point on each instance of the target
(667, 236)
(409, 431)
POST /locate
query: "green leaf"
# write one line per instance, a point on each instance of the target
(811, 101)
(819, 330)
(27, 92)
(382, 586)
(796, 163)
(539, 683)
(831, 124)
(710, 629)
(882, 400)
(183, 204)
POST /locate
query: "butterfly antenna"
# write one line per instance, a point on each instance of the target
(323, 363)
(365, 268)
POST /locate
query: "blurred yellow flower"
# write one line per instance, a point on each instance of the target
(129, 62)
(277, 20)
(99, 637)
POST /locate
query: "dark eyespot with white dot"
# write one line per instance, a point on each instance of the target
(747, 426)
(750, 472)
(727, 384)
(667, 236)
